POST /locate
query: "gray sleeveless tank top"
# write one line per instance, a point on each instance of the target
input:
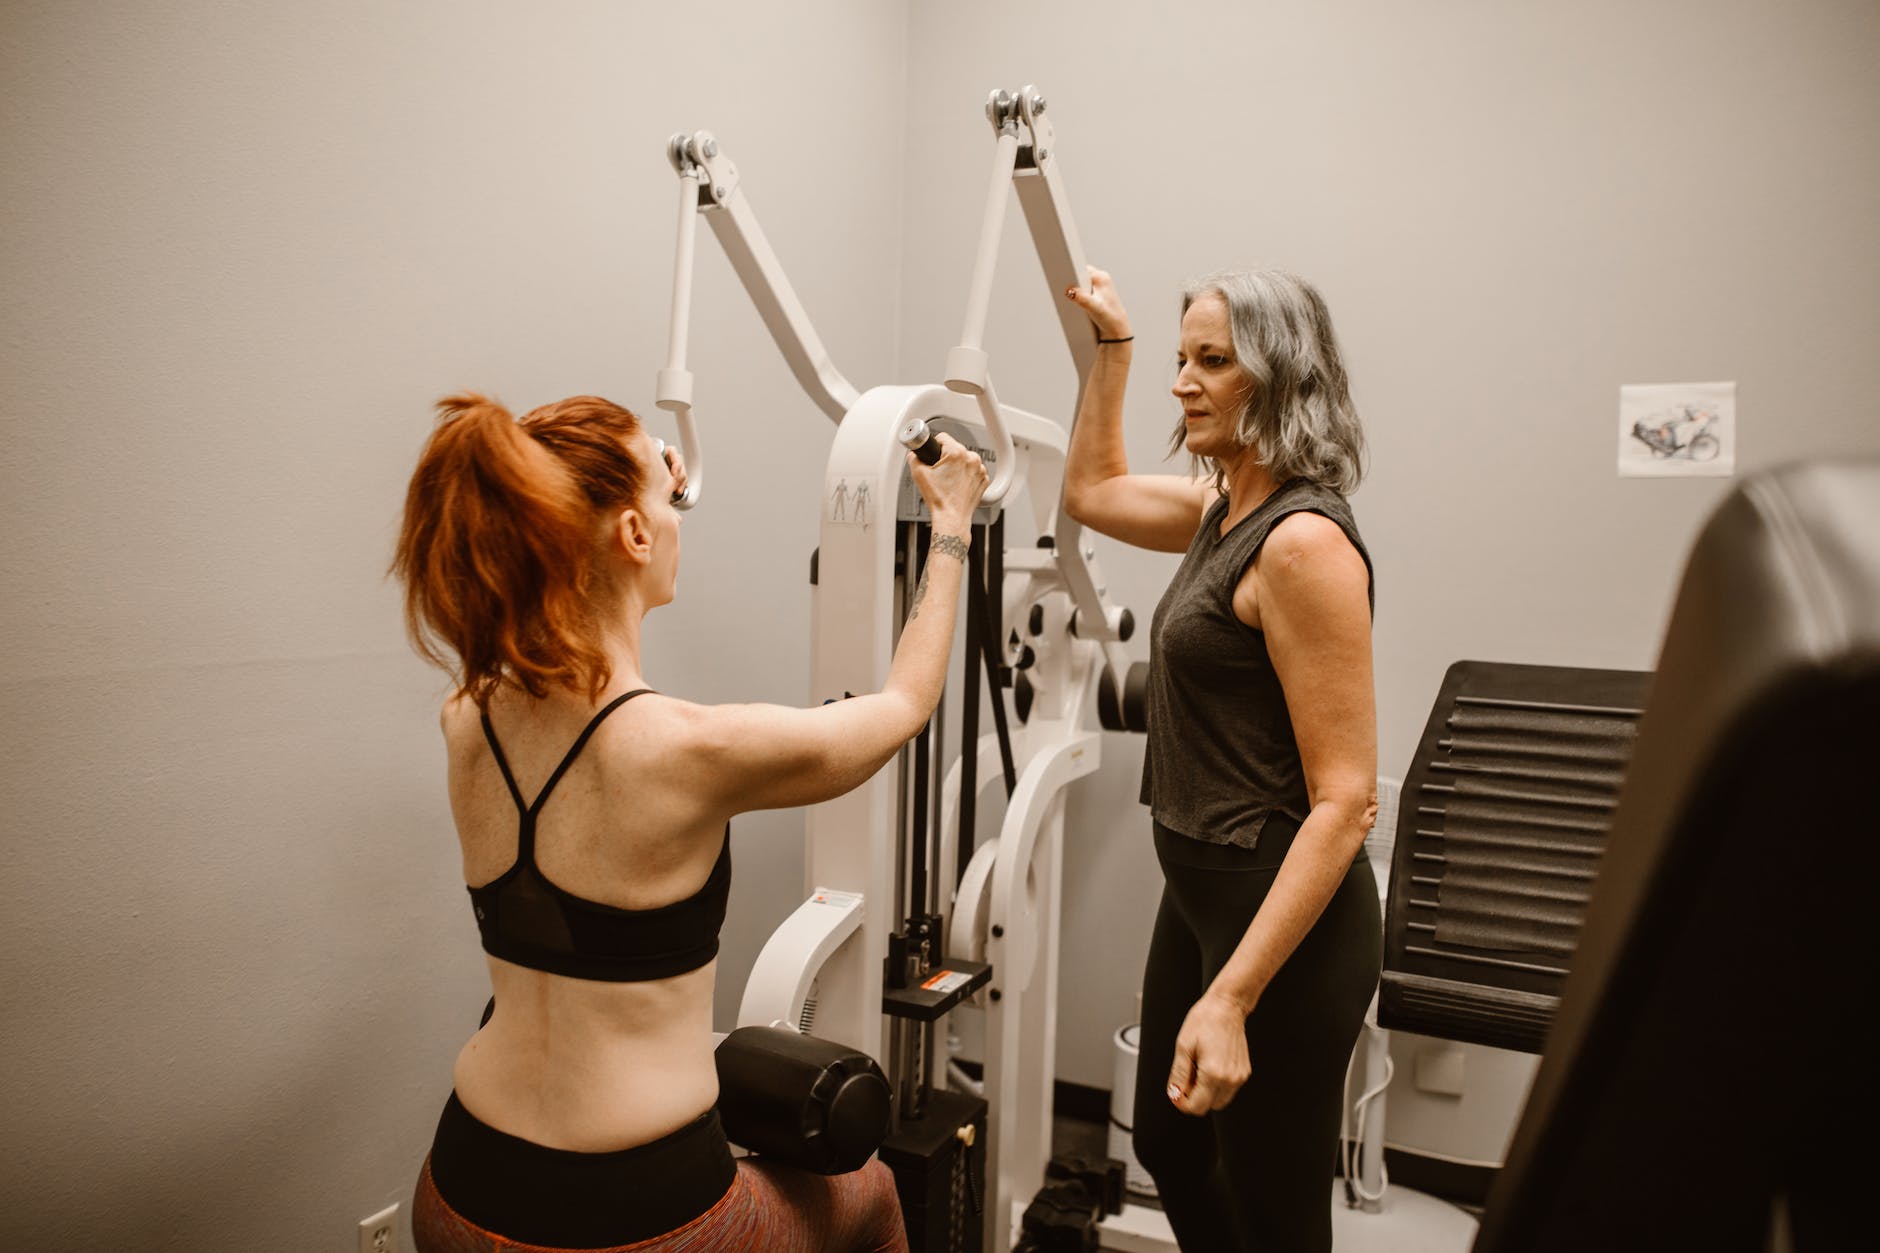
(1221, 757)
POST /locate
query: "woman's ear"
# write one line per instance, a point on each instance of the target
(633, 537)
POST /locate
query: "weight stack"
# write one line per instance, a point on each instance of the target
(939, 1165)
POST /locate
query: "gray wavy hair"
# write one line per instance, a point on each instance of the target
(1298, 414)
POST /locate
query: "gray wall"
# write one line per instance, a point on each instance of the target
(247, 246)
(1512, 210)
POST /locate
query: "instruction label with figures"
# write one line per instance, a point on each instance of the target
(850, 501)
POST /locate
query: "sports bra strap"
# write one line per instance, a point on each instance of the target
(579, 744)
(502, 763)
(529, 812)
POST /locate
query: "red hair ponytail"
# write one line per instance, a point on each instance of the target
(498, 543)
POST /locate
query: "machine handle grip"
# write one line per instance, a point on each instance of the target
(920, 441)
(694, 460)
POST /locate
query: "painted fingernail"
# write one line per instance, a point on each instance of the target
(1174, 1093)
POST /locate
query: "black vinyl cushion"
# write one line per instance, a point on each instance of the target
(1501, 826)
(807, 1102)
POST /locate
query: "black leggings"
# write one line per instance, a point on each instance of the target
(1257, 1175)
(485, 1191)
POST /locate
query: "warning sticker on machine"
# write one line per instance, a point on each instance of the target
(945, 981)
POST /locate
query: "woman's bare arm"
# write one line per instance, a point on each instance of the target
(1155, 511)
(745, 757)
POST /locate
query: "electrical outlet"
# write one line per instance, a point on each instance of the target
(379, 1233)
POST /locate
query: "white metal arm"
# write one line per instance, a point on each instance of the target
(708, 184)
(673, 391)
(966, 363)
(1023, 155)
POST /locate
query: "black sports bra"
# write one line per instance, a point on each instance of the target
(527, 920)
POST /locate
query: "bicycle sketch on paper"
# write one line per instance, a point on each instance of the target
(1687, 433)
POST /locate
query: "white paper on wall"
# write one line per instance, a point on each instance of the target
(1677, 430)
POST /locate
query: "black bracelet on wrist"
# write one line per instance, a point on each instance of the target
(1124, 339)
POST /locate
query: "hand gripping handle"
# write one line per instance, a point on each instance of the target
(920, 440)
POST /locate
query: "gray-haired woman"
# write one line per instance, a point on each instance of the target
(1261, 765)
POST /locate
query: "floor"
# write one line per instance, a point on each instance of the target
(1405, 1222)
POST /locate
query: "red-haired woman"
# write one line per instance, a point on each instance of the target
(593, 817)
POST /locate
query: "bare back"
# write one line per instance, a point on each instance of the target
(571, 1063)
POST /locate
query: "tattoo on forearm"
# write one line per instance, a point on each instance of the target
(949, 545)
(920, 594)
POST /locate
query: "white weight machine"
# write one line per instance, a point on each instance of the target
(904, 917)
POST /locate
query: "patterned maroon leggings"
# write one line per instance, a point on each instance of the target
(772, 1209)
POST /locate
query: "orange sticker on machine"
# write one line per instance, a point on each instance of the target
(945, 981)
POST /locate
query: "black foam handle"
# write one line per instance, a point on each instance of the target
(920, 441)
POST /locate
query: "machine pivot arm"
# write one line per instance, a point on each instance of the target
(1025, 155)
(1053, 233)
(966, 364)
(709, 185)
(673, 391)
(1047, 211)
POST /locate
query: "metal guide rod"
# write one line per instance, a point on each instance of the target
(934, 869)
(916, 564)
(969, 707)
(986, 588)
